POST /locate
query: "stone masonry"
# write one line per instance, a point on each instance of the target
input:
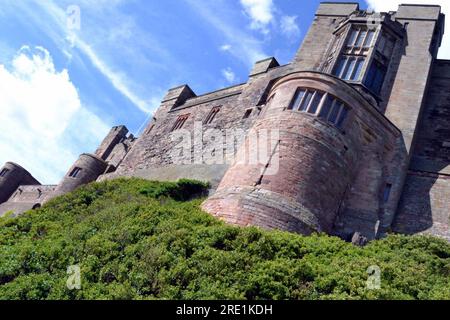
(352, 138)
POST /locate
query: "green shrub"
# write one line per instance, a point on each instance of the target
(137, 239)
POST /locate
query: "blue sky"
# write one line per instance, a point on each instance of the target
(63, 87)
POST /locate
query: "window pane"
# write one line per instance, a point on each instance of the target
(388, 48)
(381, 44)
(379, 79)
(376, 76)
(349, 69)
(297, 100)
(306, 101)
(326, 107)
(387, 192)
(340, 67)
(335, 112)
(361, 37)
(352, 39)
(371, 76)
(358, 69)
(342, 117)
(369, 39)
(315, 103)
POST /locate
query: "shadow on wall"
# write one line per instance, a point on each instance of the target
(424, 204)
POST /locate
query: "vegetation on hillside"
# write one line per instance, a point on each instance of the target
(135, 239)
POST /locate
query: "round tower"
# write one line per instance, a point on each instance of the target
(86, 169)
(311, 124)
(11, 177)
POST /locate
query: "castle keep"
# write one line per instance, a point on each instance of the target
(356, 129)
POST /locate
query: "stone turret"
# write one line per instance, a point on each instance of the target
(11, 177)
(86, 169)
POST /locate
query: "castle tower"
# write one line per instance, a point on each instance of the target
(343, 139)
(114, 137)
(86, 169)
(11, 177)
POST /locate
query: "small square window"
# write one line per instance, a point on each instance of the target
(247, 114)
(75, 172)
(4, 172)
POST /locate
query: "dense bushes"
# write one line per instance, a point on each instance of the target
(135, 239)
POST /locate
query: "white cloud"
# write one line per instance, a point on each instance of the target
(260, 13)
(42, 120)
(229, 75)
(392, 5)
(289, 26)
(225, 47)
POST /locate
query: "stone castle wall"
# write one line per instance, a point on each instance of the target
(425, 205)
(386, 168)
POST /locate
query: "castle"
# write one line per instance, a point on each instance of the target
(356, 128)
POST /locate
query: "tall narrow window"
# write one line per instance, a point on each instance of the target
(306, 100)
(369, 38)
(353, 37)
(375, 77)
(180, 122)
(211, 116)
(247, 114)
(342, 116)
(361, 38)
(333, 116)
(3, 172)
(75, 172)
(295, 104)
(315, 102)
(326, 107)
(387, 192)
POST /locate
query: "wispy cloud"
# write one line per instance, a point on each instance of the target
(225, 47)
(289, 27)
(260, 13)
(118, 80)
(229, 75)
